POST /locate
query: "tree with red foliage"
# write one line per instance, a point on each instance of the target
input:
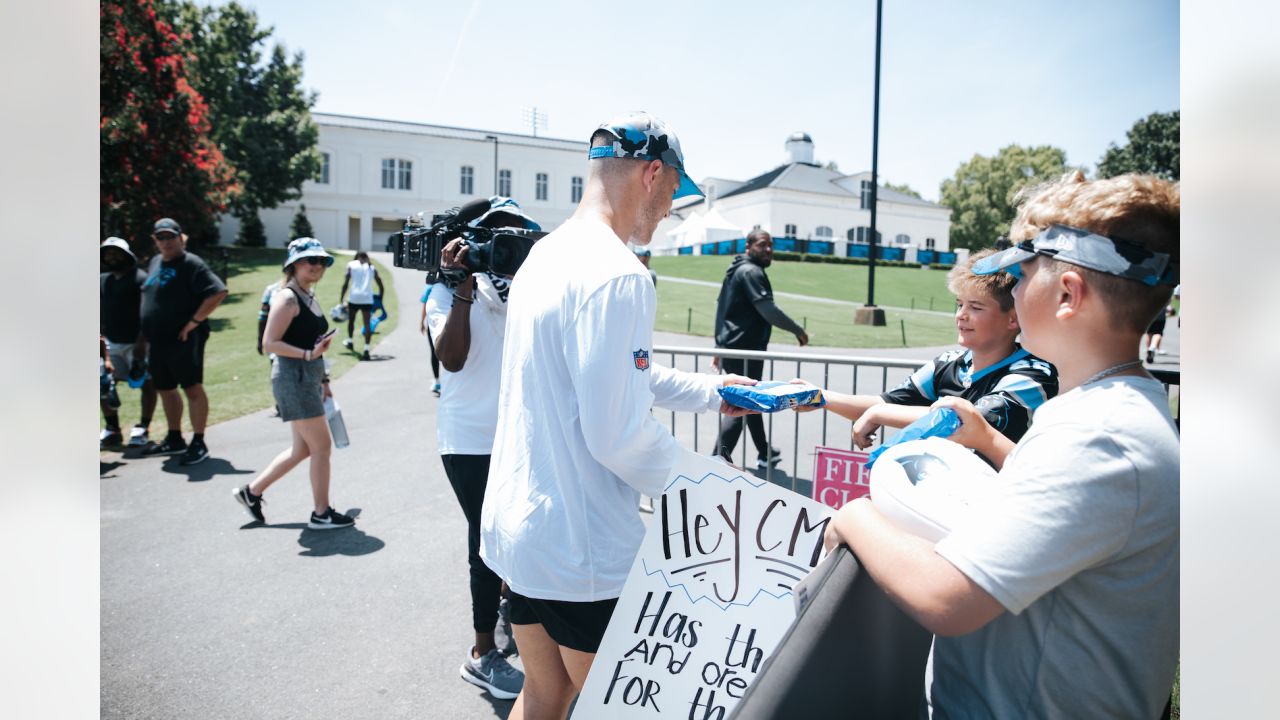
(157, 157)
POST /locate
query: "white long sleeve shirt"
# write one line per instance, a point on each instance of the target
(576, 444)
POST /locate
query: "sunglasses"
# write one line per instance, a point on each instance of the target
(165, 237)
(313, 260)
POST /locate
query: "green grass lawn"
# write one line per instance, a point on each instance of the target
(691, 309)
(895, 286)
(685, 308)
(236, 377)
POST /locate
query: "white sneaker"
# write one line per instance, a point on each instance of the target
(348, 344)
(138, 437)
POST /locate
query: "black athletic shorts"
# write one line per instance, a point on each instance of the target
(1157, 325)
(353, 307)
(577, 625)
(178, 364)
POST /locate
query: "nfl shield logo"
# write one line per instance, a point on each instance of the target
(642, 359)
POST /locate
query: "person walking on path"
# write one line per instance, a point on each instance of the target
(178, 296)
(467, 322)
(425, 328)
(745, 318)
(119, 321)
(360, 278)
(298, 334)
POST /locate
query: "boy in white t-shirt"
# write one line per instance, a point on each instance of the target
(360, 278)
(1058, 596)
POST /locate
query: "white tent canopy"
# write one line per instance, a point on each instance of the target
(697, 229)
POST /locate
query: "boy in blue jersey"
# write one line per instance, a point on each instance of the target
(1005, 382)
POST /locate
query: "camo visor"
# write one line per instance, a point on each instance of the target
(644, 137)
(1081, 247)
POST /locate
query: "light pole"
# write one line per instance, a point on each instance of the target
(494, 138)
(870, 314)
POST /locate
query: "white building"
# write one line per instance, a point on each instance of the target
(378, 172)
(802, 200)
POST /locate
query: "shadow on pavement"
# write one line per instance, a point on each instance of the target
(202, 472)
(324, 543)
(106, 467)
(501, 708)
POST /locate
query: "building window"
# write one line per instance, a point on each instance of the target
(865, 194)
(467, 180)
(929, 243)
(822, 232)
(902, 239)
(863, 235)
(397, 174)
(755, 227)
(575, 189)
(504, 183)
(789, 230)
(323, 177)
(540, 186)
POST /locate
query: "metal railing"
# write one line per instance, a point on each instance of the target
(841, 373)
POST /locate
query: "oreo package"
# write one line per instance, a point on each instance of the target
(772, 396)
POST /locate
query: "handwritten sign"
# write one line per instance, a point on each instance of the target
(839, 476)
(708, 597)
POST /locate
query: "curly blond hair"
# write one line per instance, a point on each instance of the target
(998, 286)
(1141, 209)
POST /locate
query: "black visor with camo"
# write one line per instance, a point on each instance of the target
(1081, 247)
(642, 136)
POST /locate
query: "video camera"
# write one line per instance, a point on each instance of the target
(500, 250)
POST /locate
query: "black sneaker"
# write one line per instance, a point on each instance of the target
(774, 457)
(172, 445)
(110, 437)
(1151, 357)
(196, 452)
(330, 520)
(365, 356)
(252, 503)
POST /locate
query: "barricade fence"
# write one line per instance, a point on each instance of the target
(797, 434)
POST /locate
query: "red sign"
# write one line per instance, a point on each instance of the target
(839, 476)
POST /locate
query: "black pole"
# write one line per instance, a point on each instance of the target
(875, 166)
(494, 138)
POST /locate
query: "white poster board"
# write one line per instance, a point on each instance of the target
(708, 597)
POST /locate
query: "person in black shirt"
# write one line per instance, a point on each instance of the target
(298, 335)
(179, 295)
(1004, 382)
(745, 317)
(119, 304)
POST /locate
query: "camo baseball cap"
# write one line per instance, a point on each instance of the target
(644, 137)
(1080, 247)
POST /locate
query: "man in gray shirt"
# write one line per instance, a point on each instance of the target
(745, 317)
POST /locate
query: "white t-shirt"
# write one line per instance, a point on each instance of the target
(361, 290)
(468, 407)
(1080, 546)
(576, 444)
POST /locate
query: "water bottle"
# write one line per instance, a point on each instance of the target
(337, 427)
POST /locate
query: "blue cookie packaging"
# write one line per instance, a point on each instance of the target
(772, 396)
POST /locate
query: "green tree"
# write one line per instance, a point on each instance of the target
(260, 114)
(301, 226)
(252, 233)
(904, 188)
(156, 155)
(981, 193)
(1152, 148)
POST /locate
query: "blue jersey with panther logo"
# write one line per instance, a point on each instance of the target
(1006, 393)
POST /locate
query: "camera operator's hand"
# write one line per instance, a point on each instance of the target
(452, 253)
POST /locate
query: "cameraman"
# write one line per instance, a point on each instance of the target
(467, 323)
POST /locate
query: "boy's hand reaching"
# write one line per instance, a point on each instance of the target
(975, 432)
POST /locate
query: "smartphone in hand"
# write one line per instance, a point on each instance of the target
(326, 336)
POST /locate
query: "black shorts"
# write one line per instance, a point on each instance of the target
(353, 307)
(178, 364)
(576, 625)
(1157, 325)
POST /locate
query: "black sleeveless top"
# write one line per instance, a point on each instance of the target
(307, 327)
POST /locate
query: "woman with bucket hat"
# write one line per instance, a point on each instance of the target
(298, 333)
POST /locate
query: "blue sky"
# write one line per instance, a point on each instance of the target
(734, 79)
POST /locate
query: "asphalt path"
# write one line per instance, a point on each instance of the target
(207, 614)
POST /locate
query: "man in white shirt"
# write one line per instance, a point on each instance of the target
(576, 445)
(360, 278)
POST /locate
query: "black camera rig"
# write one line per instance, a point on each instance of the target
(500, 249)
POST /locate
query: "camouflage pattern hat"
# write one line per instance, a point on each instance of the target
(1080, 247)
(644, 137)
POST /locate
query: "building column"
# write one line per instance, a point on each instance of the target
(366, 231)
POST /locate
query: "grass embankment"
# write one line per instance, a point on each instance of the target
(687, 308)
(236, 377)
